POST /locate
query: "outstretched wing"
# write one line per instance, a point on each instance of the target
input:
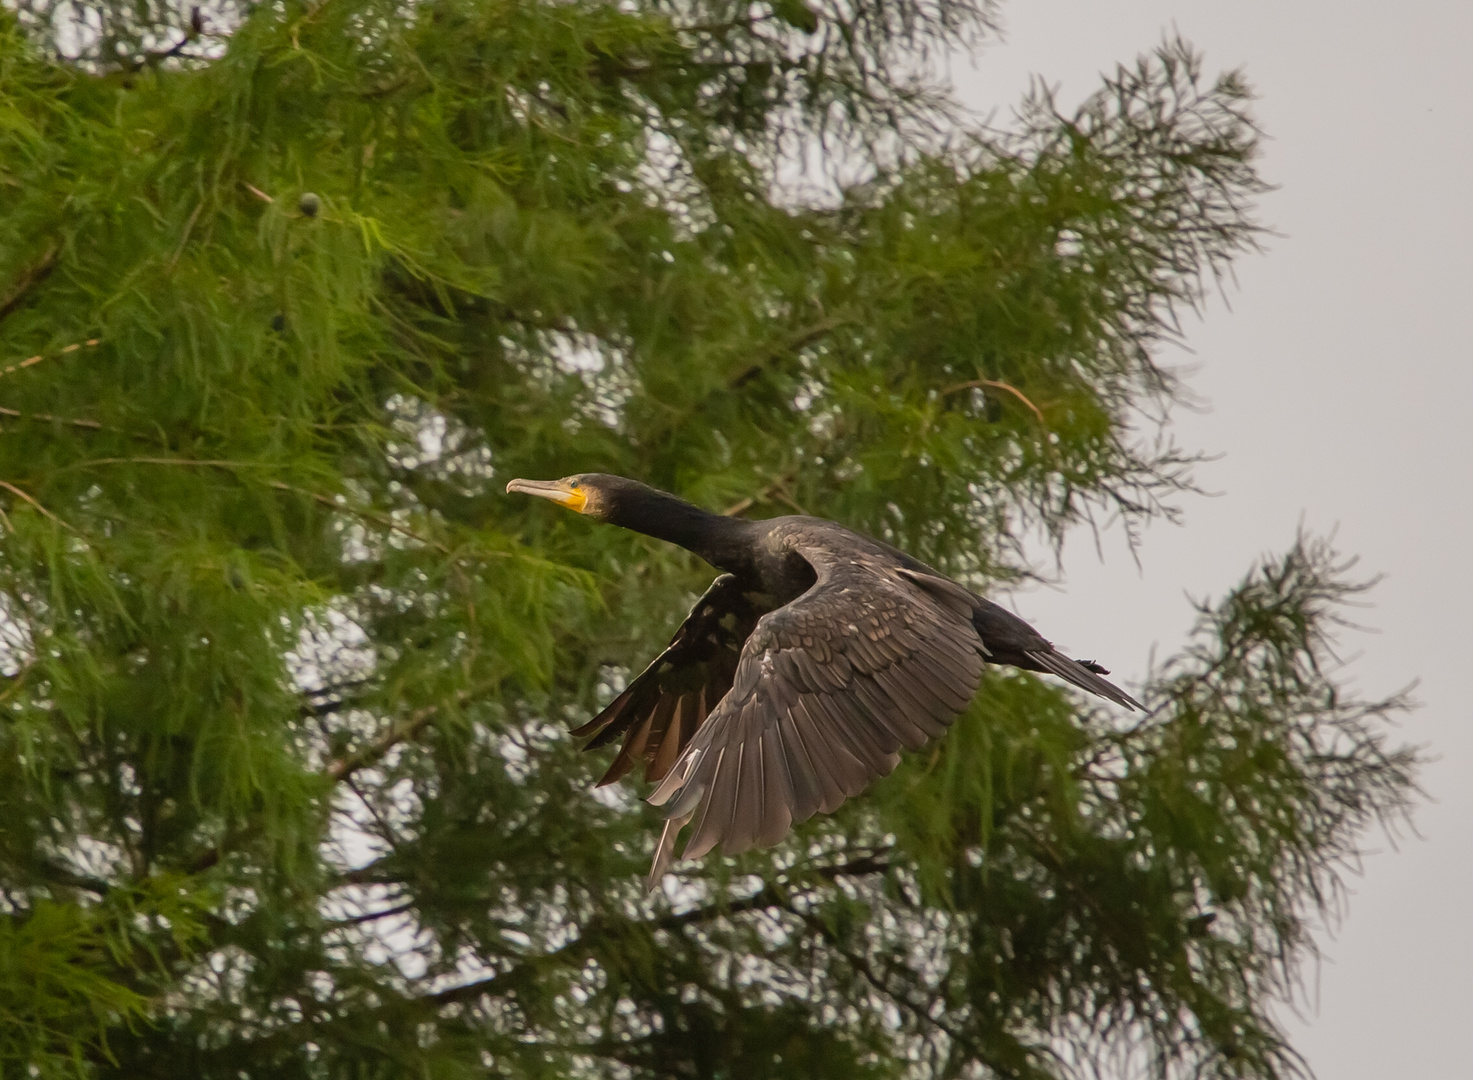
(660, 710)
(828, 690)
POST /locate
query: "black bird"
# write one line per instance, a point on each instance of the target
(802, 672)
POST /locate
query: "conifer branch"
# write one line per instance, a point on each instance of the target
(280, 485)
(184, 236)
(366, 515)
(156, 57)
(29, 278)
(861, 964)
(91, 425)
(31, 360)
(62, 875)
(774, 488)
(767, 897)
(794, 342)
(370, 916)
(344, 767)
(994, 384)
(368, 874)
(776, 896)
(8, 486)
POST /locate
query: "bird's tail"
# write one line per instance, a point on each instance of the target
(1084, 674)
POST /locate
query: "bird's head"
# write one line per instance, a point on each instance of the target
(598, 495)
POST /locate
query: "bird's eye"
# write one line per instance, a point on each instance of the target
(572, 483)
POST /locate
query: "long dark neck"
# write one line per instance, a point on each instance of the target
(721, 541)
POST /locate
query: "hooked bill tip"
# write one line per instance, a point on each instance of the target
(558, 491)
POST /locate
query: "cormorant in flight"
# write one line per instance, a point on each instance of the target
(802, 672)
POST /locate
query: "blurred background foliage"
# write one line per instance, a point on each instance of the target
(288, 291)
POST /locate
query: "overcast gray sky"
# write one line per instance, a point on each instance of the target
(1339, 388)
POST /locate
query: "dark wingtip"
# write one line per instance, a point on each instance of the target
(584, 730)
(616, 771)
(606, 726)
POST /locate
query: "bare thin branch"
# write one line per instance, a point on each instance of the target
(994, 384)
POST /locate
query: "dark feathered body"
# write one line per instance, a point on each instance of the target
(802, 672)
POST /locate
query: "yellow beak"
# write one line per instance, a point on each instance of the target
(558, 491)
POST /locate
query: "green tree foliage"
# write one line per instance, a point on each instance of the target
(287, 789)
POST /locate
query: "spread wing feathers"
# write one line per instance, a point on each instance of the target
(828, 690)
(660, 710)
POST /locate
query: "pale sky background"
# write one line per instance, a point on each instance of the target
(1340, 393)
